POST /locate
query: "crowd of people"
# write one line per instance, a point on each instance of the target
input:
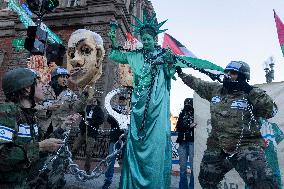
(234, 142)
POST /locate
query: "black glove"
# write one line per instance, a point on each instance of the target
(179, 70)
(246, 87)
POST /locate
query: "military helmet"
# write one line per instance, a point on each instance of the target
(17, 79)
(59, 71)
(240, 67)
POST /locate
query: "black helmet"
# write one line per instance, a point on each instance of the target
(240, 67)
(59, 71)
(17, 79)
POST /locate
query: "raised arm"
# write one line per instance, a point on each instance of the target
(202, 88)
(115, 54)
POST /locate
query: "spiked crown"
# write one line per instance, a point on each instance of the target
(148, 23)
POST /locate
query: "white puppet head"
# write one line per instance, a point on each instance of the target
(85, 54)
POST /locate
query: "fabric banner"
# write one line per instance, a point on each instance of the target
(184, 55)
(272, 135)
(176, 46)
(280, 30)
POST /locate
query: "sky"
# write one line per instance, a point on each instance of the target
(220, 31)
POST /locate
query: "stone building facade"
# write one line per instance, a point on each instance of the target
(71, 15)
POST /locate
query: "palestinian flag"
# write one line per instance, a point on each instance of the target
(185, 55)
(176, 46)
(280, 31)
(132, 43)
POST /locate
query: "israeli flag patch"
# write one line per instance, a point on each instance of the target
(239, 104)
(24, 130)
(6, 133)
(216, 99)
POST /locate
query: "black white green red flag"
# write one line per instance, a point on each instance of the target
(184, 54)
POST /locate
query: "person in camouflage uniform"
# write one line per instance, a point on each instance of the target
(235, 140)
(19, 133)
(59, 103)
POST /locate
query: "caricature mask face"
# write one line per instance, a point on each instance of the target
(84, 57)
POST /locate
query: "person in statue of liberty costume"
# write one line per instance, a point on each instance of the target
(147, 160)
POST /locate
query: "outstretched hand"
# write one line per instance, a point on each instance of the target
(112, 36)
(72, 120)
(50, 145)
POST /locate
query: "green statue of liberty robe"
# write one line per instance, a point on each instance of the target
(147, 159)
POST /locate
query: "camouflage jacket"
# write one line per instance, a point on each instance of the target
(233, 115)
(69, 103)
(18, 142)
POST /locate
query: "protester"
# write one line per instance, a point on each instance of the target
(62, 101)
(89, 127)
(235, 140)
(185, 128)
(19, 136)
(147, 161)
(59, 104)
(115, 133)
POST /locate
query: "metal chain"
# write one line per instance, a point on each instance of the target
(74, 169)
(201, 70)
(58, 152)
(154, 71)
(252, 118)
(100, 169)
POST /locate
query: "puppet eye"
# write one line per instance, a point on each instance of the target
(86, 50)
(71, 53)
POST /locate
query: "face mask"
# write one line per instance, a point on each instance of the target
(233, 85)
(84, 58)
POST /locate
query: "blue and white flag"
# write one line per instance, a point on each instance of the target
(6, 133)
(24, 130)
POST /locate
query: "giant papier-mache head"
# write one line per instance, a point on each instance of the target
(85, 54)
(148, 25)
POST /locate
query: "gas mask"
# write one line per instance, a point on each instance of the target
(85, 54)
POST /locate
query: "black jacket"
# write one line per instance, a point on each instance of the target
(95, 117)
(185, 133)
(115, 131)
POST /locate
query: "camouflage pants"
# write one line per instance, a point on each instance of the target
(249, 162)
(90, 142)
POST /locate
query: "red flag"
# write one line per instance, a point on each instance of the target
(132, 43)
(280, 30)
(176, 46)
